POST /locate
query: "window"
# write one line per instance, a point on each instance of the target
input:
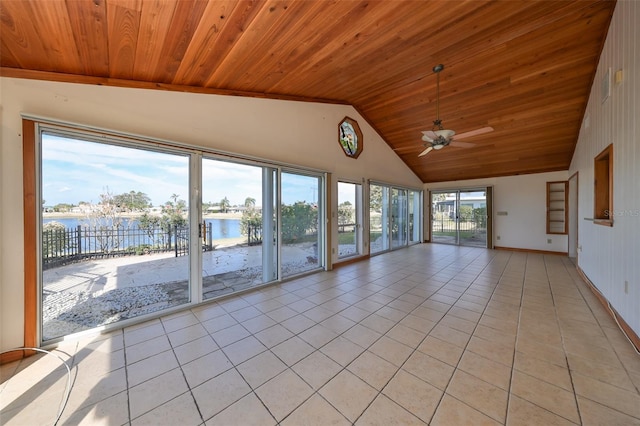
(414, 216)
(119, 228)
(110, 211)
(350, 137)
(349, 219)
(399, 218)
(378, 218)
(301, 219)
(238, 205)
(394, 217)
(603, 187)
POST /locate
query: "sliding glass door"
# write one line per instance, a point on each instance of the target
(459, 217)
(115, 232)
(130, 228)
(301, 213)
(394, 217)
(235, 198)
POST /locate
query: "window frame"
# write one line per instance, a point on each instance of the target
(32, 128)
(387, 227)
(359, 219)
(603, 187)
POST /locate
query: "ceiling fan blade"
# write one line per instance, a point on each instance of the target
(476, 132)
(404, 148)
(425, 152)
(462, 144)
(429, 136)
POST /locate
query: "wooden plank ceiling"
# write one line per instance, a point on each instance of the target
(525, 68)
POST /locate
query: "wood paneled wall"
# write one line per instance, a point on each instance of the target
(609, 255)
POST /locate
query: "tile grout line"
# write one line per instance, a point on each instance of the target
(190, 391)
(515, 344)
(126, 374)
(562, 340)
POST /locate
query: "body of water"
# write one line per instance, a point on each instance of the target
(221, 228)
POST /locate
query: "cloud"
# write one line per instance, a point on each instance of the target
(76, 170)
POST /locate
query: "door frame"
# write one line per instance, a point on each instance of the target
(488, 190)
(573, 244)
(31, 131)
(359, 218)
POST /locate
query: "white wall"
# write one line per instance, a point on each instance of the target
(611, 255)
(297, 133)
(524, 199)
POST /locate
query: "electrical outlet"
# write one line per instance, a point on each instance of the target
(549, 241)
(626, 287)
(333, 251)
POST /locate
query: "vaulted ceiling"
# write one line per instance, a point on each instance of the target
(523, 68)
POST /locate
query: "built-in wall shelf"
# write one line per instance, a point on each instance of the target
(557, 204)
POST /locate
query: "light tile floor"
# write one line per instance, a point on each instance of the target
(432, 334)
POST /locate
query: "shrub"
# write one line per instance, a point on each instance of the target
(55, 239)
(298, 219)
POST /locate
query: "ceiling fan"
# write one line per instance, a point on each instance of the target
(439, 137)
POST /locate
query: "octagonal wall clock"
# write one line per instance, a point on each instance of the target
(350, 137)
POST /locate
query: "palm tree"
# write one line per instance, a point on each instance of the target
(224, 205)
(249, 202)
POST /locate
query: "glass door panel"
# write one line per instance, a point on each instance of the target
(399, 218)
(415, 217)
(110, 252)
(473, 218)
(232, 229)
(378, 218)
(444, 211)
(301, 225)
(349, 195)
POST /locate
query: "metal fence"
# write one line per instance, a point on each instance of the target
(472, 223)
(468, 230)
(346, 227)
(62, 246)
(254, 234)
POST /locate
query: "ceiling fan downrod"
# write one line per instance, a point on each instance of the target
(437, 122)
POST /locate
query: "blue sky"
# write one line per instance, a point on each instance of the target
(75, 170)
